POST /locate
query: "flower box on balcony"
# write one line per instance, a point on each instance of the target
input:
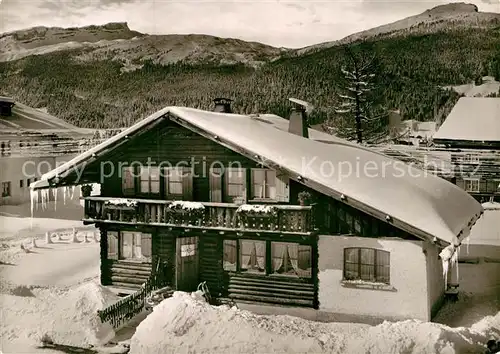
(263, 217)
(186, 213)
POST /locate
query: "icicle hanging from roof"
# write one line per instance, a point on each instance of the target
(55, 198)
(467, 241)
(448, 253)
(73, 192)
(34, 200)
(65, 190)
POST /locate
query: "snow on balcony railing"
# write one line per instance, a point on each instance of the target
(285, 218)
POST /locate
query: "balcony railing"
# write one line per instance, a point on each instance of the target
(275, 218)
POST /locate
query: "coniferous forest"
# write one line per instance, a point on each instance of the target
(410, 72)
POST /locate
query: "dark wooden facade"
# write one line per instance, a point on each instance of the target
(171, 235)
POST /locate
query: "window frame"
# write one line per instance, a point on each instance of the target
(227, 183)
(268, 259)
(266, 182)
(129, 191)
(142, 236)
(149, 180)
(306, 274)
(470, 158)
(375, 266)
(179, 173)
(6, 189)
(472, 181)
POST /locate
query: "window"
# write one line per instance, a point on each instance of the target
(5, 189)
(291, 259)
(263, 184)
(470, 158)
(150, 180)
(188, 250)
(21, 183)
(253, 256)
(230, 255)
(235, 184)
(367, 264)
(174, 178)
(472, 184)
(128, 185)
(135, 245)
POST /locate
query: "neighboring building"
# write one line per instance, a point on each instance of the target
(410, 132)
(31, 144)
(484, 241)
(472, 134)
(226, 199)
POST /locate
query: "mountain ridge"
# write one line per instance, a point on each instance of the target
(113, 82)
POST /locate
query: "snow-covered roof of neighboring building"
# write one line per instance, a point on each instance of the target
(472, 119)
(419, 203)
(25, 118)
(487, 229)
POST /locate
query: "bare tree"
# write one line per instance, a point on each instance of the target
(362, 118)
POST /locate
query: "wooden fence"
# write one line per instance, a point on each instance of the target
(125, 309)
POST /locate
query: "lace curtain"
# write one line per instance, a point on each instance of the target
(253, 255)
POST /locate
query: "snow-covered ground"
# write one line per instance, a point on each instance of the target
(53, 290)
(187, 324)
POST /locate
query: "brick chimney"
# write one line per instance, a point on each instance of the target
(298, 118)
(222, 105)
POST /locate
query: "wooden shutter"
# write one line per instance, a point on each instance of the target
(282, 187)
(187, 184)
(146, 249)
(112, 238)
(215, 178)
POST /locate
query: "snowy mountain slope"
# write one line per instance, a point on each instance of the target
(443, 17)
(116, 41)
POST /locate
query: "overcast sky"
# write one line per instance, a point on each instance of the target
(275, 22)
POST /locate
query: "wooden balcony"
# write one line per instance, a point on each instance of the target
(220, 216)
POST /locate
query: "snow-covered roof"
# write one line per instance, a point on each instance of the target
(472, 119)
(420, 203)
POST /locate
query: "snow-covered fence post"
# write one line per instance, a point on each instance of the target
(33, 243)
(85, 237)
(74, 239)
(48, 237)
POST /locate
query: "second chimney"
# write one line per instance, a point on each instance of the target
(222, 105)
(298, 119)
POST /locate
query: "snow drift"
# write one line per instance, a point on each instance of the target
(67, 316)
(187, 324)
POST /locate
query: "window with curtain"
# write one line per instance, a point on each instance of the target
(263, 183)
(135, 245)
(291, 259)
(367, 264)
(230, 255)
(128, 185)
(150, 180)
(174, 178)
(253, 256)
(235, 183)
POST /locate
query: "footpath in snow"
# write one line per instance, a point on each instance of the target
(185, 323)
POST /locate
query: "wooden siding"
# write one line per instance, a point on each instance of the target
(271, 290)
(171, 144)
(211, 270)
